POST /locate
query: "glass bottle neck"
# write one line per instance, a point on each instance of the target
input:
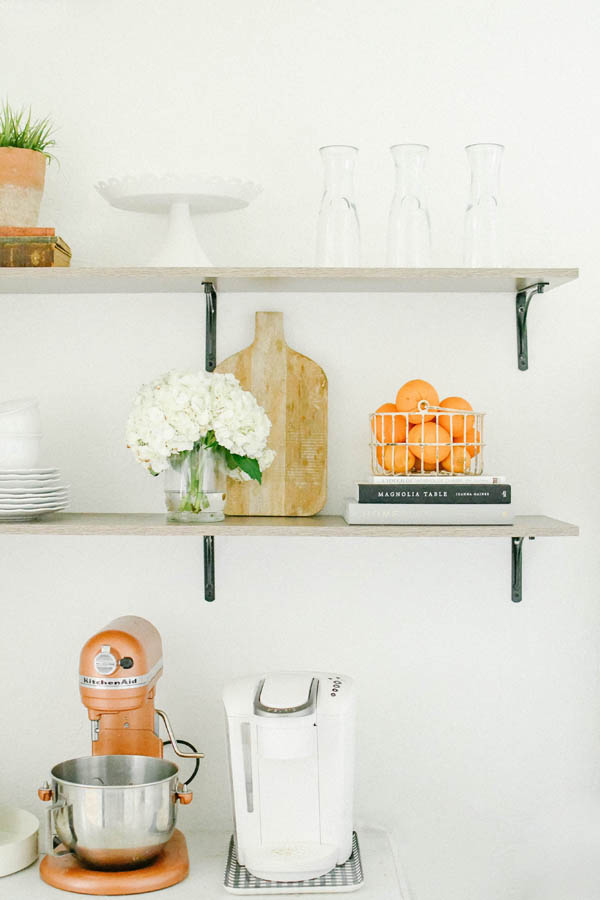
(338, 170)
(485, 170)
(410, 162)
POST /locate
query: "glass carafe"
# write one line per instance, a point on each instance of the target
(409, 230)
(338, 231)
(482, 219)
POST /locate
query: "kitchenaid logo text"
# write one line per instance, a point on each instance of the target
(120, 684)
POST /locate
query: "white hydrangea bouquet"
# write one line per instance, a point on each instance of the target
(199, 427)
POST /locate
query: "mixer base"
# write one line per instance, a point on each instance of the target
(68, 874)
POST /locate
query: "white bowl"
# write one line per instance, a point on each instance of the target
(19, 450)
(20, 416)
(18, 839)
(17, 403)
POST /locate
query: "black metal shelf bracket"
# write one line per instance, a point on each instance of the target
(517, 568)
(211, 326)
(524, 298)
(210, 362)
(209, 569)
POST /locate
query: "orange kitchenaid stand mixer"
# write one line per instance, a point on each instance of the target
(118, 671)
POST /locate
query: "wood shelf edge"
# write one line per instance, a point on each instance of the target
(129, 524)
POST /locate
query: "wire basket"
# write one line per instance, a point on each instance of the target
(431, 441)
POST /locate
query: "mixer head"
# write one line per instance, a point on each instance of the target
(118, 670)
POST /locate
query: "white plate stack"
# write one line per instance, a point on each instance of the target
(27, 494)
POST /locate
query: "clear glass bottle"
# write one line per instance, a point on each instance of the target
(483, 246)
(195, 486)
(409, 229)
(338, 231)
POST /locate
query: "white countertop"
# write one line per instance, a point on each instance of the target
(208, 855)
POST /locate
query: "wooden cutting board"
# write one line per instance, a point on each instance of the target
(293, 391)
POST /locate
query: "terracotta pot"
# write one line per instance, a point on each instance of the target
(22, 174)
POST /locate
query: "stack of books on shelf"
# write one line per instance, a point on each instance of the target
(431, 500)
(32, 247)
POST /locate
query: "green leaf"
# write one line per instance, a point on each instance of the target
(209, 440)
(246, 464)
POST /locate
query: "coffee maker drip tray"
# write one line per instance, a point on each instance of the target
(341, 879)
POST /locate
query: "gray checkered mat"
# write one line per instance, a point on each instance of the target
(347, 877)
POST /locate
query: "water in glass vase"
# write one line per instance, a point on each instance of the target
(195, 486)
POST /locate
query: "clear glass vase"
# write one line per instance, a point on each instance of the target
(409, 230)
(482, 219)
(195, 486)
(338, 231)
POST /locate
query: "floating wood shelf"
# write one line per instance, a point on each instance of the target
(147, 525)
(523, 284)
(276, 280)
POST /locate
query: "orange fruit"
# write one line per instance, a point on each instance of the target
(471, 441)
(411, 394)
(389, 428)
(433, 442)
(422, 466)
(458, 461)
(397, 460)
(456, 424)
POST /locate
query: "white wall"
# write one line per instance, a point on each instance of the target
(477, 717)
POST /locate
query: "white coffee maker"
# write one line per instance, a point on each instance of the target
(291, 743)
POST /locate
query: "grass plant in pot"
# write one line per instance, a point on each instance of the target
(24, 146)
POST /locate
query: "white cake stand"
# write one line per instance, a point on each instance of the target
(178, 196)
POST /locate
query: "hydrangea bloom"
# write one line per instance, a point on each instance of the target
(179, 410)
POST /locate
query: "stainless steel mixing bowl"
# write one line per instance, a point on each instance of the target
(114, 812)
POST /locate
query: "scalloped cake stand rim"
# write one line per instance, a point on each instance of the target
(198, 202)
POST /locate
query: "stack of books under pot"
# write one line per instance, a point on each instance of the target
(431, 500)
(37, 247)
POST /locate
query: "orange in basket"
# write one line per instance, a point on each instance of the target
(459, 461)
(389, 428)
(411, 394)
(426, 466)
(458, 425)
(472, 442)
(435, 438)
(396, 460)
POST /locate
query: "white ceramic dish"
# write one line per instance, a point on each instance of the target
(18, 839)
(8, 406)
(20, 416)
(30, 497)
(19, 449)
(28, 486)
(33, 508)
(24, 473)
(26, 515)
(27, 507)
(43, 479)
(179, 196)
(32, 491)
(5, 472)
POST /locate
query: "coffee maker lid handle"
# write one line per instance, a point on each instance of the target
(286, 694)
